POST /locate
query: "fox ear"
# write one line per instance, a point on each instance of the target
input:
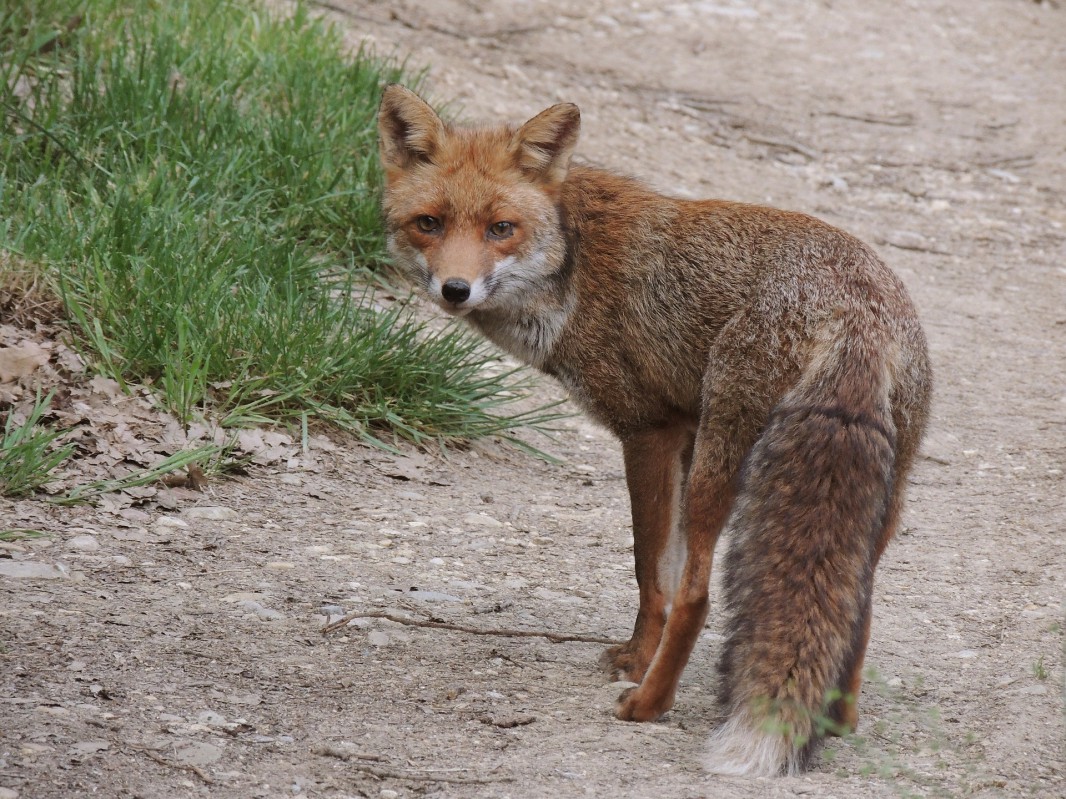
(545, 143)
(408, 129)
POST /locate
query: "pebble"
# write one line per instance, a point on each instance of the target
(86, 543)
(211, 719)
(481, 520)
(29, 570)
(1032, 690)
(170, 521)
(196, 753)
(269, 614)
(89, 747)
(213, 513)
(433, 596)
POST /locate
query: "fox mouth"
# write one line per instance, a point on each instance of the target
(453, 309)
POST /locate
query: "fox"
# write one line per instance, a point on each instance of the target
(764, 372)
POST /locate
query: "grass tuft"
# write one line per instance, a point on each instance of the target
(27, 454)
(200, 181)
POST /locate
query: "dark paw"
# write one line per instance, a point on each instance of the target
(636, 705)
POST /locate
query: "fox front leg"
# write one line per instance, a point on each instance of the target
(656, 463)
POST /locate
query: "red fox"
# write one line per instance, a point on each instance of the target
(762, 370)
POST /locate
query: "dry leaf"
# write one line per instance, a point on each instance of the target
(23, 360)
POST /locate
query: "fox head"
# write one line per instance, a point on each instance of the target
(472, 213)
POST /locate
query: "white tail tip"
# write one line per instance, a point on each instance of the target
(739, 748)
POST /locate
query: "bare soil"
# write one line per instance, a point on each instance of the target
(151, 659)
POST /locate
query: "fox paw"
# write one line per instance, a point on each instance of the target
(623, 662)
(636, 705)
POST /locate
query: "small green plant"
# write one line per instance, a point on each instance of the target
(27, 454)
(20, 534)
(1039, 669)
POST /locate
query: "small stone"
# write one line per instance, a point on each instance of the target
(481, 520)
(29, 570)
(213, 513)
(905, 240)
(83, 748)
(433, 596)
(377, 638)
(85, 543)
(1033, 690)
(196, 753)
(170, 521)
(268, 614)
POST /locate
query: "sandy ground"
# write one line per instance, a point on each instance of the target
(177, 653)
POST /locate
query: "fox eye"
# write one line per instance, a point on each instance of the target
(428, 224)
(501, 230)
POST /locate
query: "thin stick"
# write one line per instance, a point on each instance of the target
(199, 772)
(784, 144)
(555, 638)
(384, 773)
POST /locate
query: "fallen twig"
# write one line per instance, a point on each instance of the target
(555, 638)
(384, 773)
(158, 758)
(900, 121)
(342, 752)
(783, 144)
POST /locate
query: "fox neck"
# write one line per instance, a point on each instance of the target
(529, 329)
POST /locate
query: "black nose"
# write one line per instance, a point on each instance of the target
(455, 290)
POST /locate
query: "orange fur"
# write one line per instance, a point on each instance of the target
(760, 368)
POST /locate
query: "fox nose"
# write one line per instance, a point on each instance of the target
(455, 290)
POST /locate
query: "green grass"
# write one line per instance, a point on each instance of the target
(1039, 669)
(199, 180)
(27, 452)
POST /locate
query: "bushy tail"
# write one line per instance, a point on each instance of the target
(799, 573)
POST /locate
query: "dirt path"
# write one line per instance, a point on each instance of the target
(180, 655)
